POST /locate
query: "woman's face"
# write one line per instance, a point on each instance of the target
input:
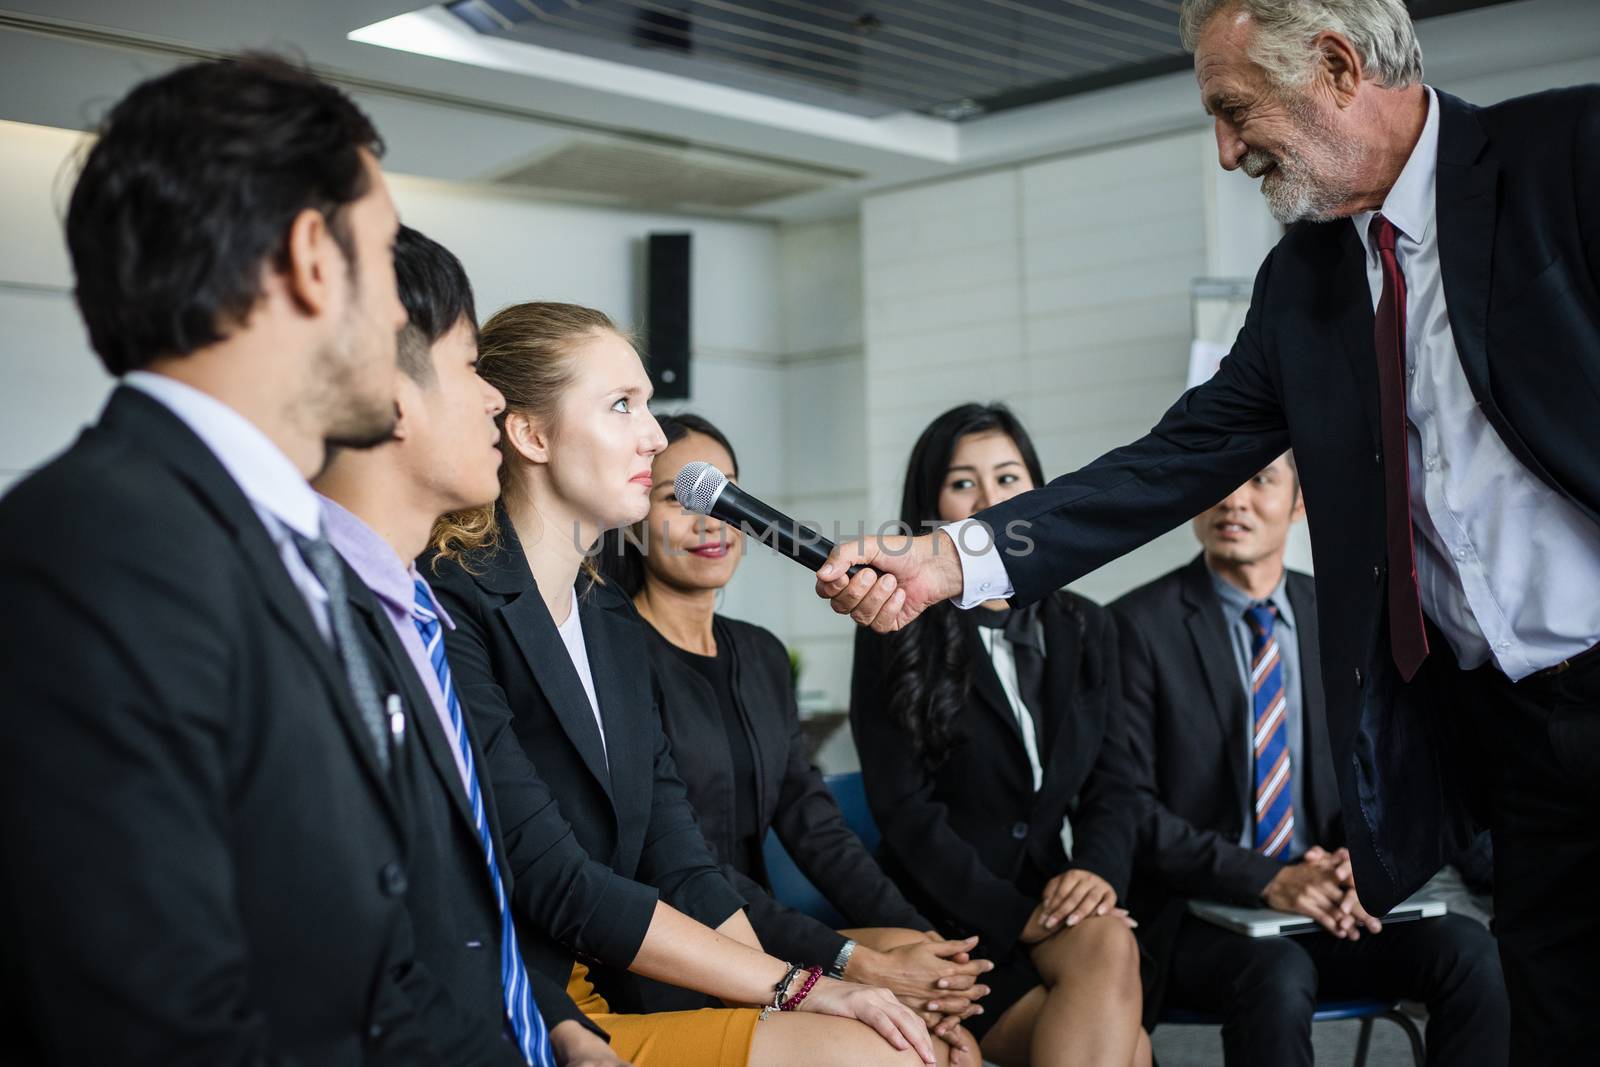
(682, 549)
(600, 449)
(985, 469)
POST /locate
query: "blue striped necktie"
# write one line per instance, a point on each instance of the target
(1274, 809)
(523, 1014)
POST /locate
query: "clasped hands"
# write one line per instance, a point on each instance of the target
(1322, 886)
(932, 976)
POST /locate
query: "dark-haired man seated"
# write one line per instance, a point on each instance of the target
(1225, 709)
(204, 845)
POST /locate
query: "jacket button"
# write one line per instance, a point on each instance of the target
(1358, 677)
(392, 880)
(1377, 459)
(1020, 831)
(1377, 574)
(375, 1031)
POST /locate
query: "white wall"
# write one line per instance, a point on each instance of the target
(50, 383)
(1060, 287)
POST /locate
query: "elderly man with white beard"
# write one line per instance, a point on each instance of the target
(1426, 336)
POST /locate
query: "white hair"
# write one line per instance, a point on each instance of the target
(1380, 31)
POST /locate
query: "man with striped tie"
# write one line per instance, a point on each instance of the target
(1226, 719)
(379, 507)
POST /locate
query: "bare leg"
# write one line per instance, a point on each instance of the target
(795, 1039)
(1086, 1012)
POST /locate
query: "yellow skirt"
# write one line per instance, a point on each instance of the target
(709, 1037)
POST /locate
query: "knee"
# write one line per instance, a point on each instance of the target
(1103, 943)
(1279, 979)
(1469, 959)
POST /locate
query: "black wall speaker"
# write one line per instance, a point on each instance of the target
(667, 338)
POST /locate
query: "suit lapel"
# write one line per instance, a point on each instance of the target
(1321, 790)
(1348, 304)
(616, 692)
(1063, 658)
(425, 724)
(547, 659)
(1208, 631)
(987, 683)
(768, 734)
(150, 423)
(1466, 185)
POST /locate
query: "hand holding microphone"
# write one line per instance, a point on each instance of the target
(883, 582)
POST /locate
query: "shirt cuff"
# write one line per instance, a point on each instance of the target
(983, 573)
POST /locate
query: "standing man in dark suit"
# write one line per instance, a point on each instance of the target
(1426, 337)
(203, 838)
(379, 508)
(1225, 715)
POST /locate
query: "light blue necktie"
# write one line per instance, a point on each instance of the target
(526, 1023)
(1270, 736)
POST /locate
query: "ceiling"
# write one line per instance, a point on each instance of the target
(947, 58)
(785, 109)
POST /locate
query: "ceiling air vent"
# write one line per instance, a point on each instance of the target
(660, 176)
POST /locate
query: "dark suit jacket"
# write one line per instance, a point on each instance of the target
(971, 843)
(592, 845)
(791, 798)
(1519, 247)
(454, 915)
(1187, 723)
(204, 863)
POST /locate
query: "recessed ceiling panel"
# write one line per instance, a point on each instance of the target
(951, 58)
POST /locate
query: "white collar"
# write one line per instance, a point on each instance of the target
(1410, 203)
(261, 470)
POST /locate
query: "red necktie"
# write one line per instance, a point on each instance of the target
(1408, 640)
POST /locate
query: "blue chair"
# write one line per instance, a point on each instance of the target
(1367, 1011)
(792, 887)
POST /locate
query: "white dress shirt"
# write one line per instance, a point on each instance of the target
(271, 482)
(571, 633)
(1509, 570)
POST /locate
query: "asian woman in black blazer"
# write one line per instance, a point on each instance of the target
(995, 763)
(608, 862)
(727, 704)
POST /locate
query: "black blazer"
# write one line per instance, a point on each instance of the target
(1187, 728)
(592, 845)
(791, 798)
(971, 843)
(1519, 245)
(454, 915)
(204, 863)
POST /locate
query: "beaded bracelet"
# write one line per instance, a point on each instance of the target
(812, 974)
(779, 990)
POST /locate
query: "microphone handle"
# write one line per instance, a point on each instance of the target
(775, 529)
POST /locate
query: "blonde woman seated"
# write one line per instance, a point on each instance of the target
(608, 863)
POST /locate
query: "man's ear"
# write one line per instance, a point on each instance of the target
(407, 406)
(314, 265)
(528, 436)
(1340, 67)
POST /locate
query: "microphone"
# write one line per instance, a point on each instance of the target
(704, 490)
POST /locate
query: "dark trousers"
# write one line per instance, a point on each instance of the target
(1541, 755)
(1266, 988)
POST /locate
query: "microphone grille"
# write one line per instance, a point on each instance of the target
(697, 486)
